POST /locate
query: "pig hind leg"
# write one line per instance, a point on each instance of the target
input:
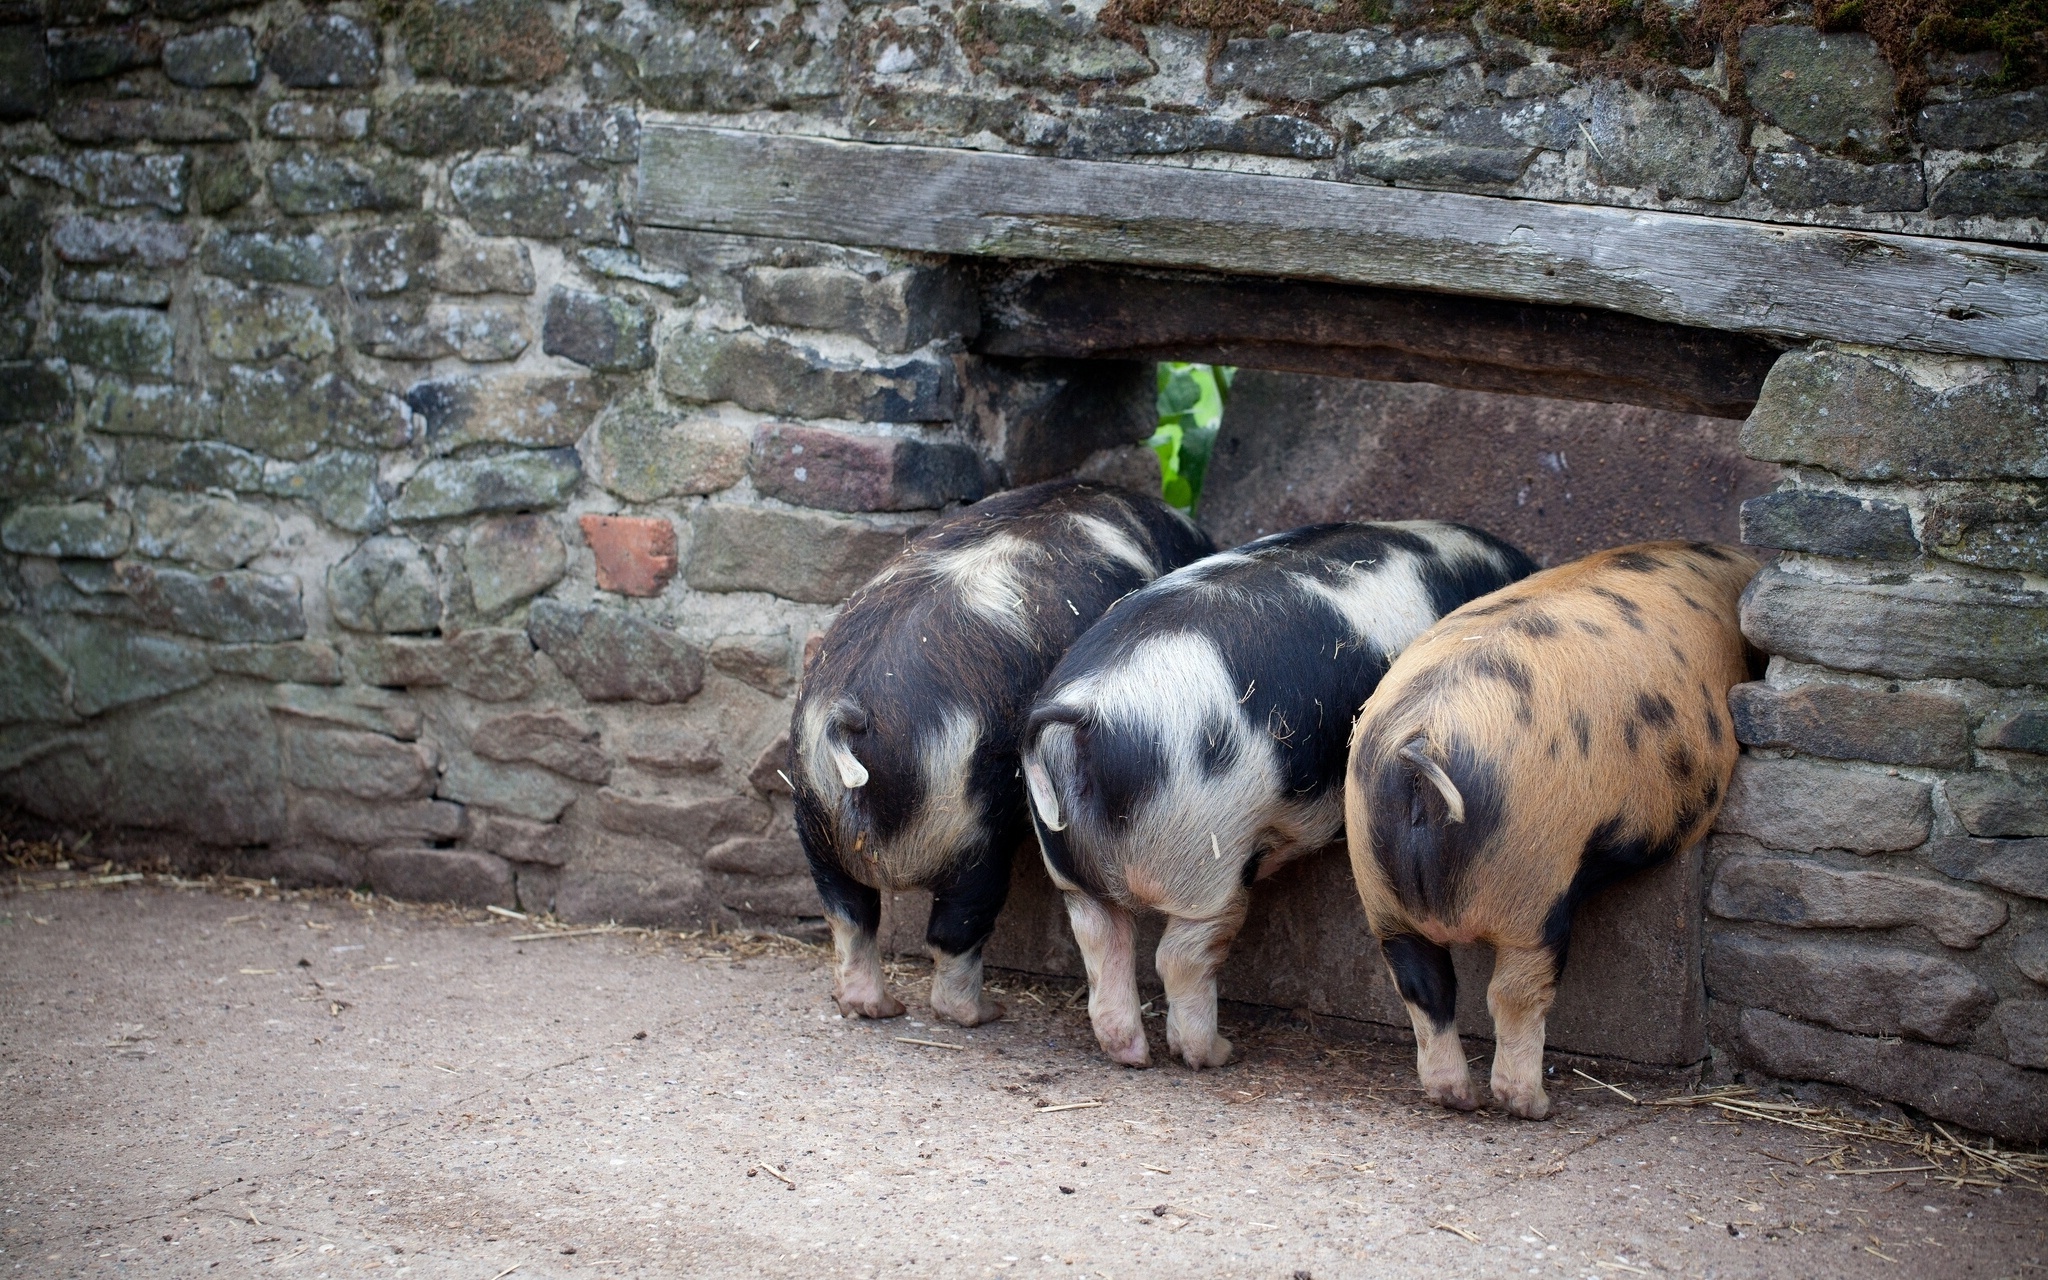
(1189, 954)
(1429, 987)
(963, 915)
(854, 911)
(1524, 983)
(1108, 939)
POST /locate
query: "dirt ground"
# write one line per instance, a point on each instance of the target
(200, 1083)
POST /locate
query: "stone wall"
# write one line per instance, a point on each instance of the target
(380, 503)
(1879, 879)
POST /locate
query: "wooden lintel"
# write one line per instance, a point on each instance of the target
(1785, 282)
(1354, 331)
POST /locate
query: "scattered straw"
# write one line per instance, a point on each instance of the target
(1071, 1106)
(1455, 1230)
(929, 1044)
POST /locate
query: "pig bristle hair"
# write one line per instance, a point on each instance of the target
(1454, 802)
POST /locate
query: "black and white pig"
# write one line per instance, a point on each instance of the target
(1194, 740)
(903, 744)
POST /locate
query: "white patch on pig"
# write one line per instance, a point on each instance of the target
(948, 820)
(1199, 573)
(1115, 543)
(987, 575)
(1384, 603)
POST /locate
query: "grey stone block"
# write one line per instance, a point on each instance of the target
(211, 533)
(192, 466)
(113, 288)
(35, 684)
(1830, 524)
(126, 407)
(372, 710)
(814, 558)
(1036, 46)
(2016, 866)
(1851, 986)
(238, 607)
(510, 559)
(1434, 161)
(625, 264)
(1800, 179)
(275, 257)
(770, 774)
(436, 124)
(116, 179)
(24, 73)
(515, 789)
(347, 820)
(307, 183)
(113, 665)
(413, 329)
(207, 766)
(78, 56)
(644, 451)
(522, 409)
(608, 134)
(1892, 416)
(771, 855)
(900, 311)
(1678, 144)
(483, 41)
(387, 584)
(691, 827)
(1124, 131)
(221, 57)
(401, 662)
(1801, 804)
(222, 182)
(1316, 66)
(1833, 89)
(554, 740)
(1975, 124)
(1997, 531)
(291, 410)
(87, 530)
(492, 664)
(2029, 954)
(1999, 804)
(342, 486)
(392, 258)
(21, 258)
(325, 51)
(101, 121)
(540, 197)
(476, 266)
(120, 339)
(31, 391)
(612, 335)
(840, 471)
(447, 487)
(261, 323)
(441, 875)
(95, 241)
(1982, 191)
(773, 376)
(1852, 722)
(704, 70)
(1966, 1088)
(2018, 729)
(367, 766)
(1907, 630)
(312, 662)
(611, 655)
(1807, 894)
(672, 749)
(518, 840)
(2024, 1023)
(761, 661)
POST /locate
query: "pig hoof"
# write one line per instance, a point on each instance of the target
(881, 1006)
(971, 1015)
(1530, 1104)
(1215, 1054)
(1458, 1097)
(1133, 1052)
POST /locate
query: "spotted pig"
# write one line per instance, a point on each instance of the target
(903, 744)
(1526, 752)
(1194, 740)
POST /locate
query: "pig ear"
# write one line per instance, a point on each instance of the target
(1454, 803)
(1043, 798)
(852, 773)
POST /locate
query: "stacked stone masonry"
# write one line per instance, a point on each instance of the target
(380, 504)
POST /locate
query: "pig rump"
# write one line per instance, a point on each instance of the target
(903, 742)
(1528, 751)
(1195, 740)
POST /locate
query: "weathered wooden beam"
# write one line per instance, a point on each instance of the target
(1720, 273)
(1387, 335)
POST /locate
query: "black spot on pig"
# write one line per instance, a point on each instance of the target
(1631, 612)
(1423, 973)
(1424, 856)
(1537, 626)
(1637, 562)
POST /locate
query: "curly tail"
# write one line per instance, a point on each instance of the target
(1414, 752)
(1038, 770)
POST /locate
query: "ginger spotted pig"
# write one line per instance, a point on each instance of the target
(903, 743)
(1526, 752)
(1194, 740)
